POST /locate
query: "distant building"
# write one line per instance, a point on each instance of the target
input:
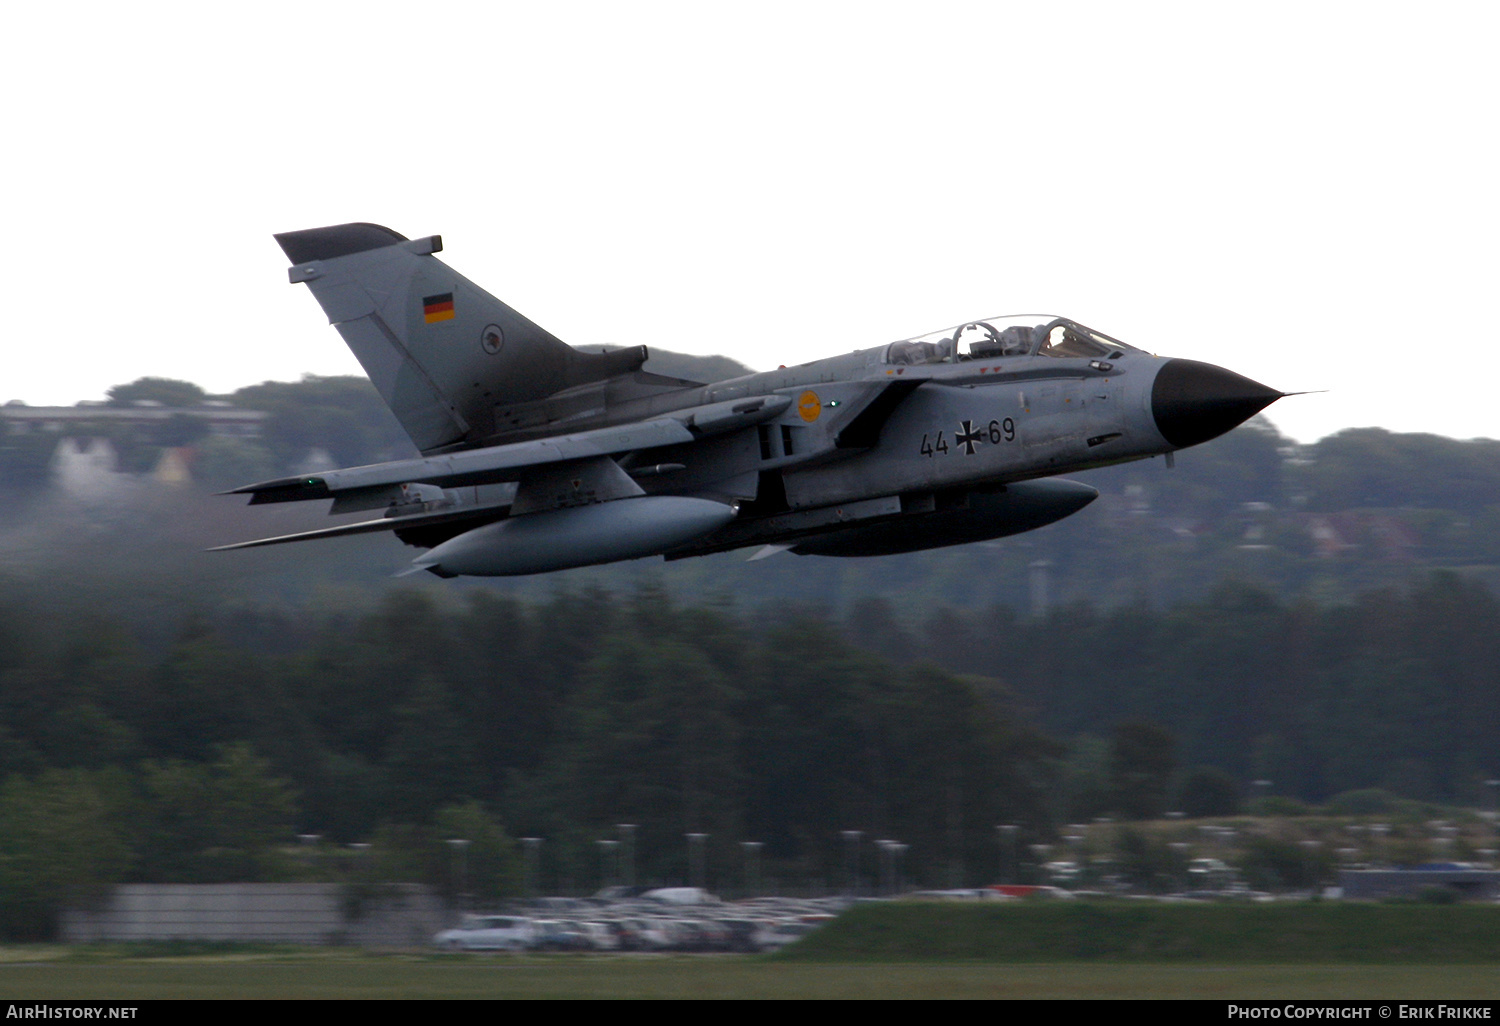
(175, 466)
(87, 469)
(401, 915)
(1136, 500)
(1256, 516)
(315, 461)
(1387, 535)
(224, 420)
(1328, 540)
(84, 463)
(1372, 884)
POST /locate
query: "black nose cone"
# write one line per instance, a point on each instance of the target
(1193, 402)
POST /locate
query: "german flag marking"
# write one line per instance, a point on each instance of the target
(437, 308)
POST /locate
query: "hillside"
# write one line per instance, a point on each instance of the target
(1359, 509)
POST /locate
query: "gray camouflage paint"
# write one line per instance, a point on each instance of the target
(850, 455)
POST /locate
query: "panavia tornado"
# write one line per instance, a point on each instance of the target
(538, 456)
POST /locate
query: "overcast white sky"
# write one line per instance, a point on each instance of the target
(1302, 192)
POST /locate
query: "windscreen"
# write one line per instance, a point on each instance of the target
(1067, 340)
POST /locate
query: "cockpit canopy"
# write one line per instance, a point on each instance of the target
(997, 337)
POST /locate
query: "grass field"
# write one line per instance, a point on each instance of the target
(888, 950)
(319, 974)
(1310, 933)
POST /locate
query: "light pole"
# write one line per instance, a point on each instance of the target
(460, 846)
(310, 846)
(532, 847)
(752, 867)
(1180, 848)
(607, 848)
(897, 850)
(695, 858)
(1007, 834)
(882, 849)
(1310, 859)
(851, 870)
(1039, 853)
(1443, 840)
(890, 852)
(359, 865)
(627, 838)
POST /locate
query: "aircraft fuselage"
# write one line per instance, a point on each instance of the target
(538, 456)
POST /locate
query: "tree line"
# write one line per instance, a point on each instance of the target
(199, 759)
(200, 755)
(1398, 689)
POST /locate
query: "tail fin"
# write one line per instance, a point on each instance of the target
(442, 352)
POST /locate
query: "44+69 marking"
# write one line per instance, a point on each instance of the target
(969, 437)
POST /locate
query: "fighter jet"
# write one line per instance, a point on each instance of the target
(539, 456)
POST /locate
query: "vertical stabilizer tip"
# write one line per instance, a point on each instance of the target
(335, 241)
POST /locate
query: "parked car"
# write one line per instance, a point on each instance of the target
(649, 934)
(687, 935)
(1065, 871)
(1211, 874)
(560, 935)
(776, 935)
(682, 896)
(713, 935)
(601, 936)
(489, 933)
(741, 934)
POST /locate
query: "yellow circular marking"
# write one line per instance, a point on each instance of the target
(809, 406)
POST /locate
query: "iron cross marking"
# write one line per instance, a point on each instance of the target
(969, 438)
